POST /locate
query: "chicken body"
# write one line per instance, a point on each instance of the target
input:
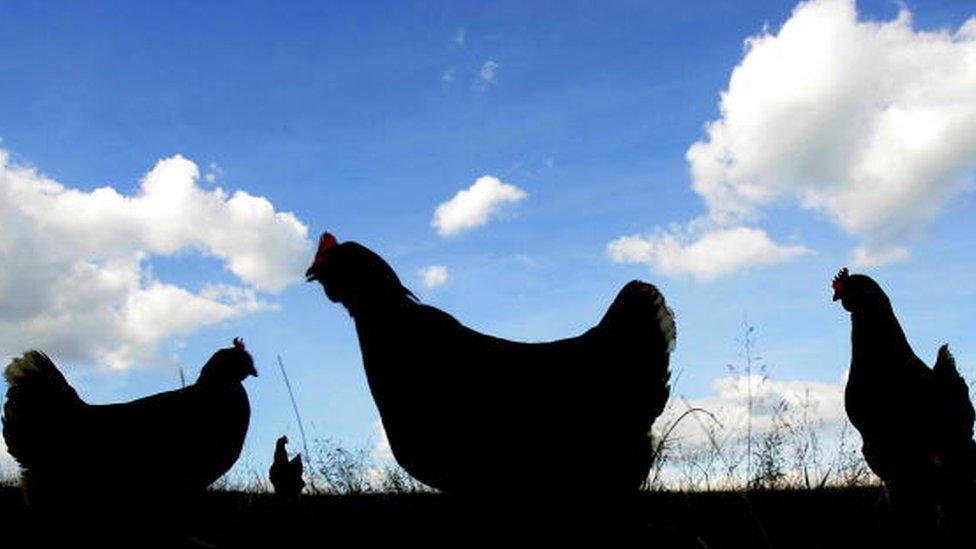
(285, 474)
(466, 412)
(916, 422)
(175, 442)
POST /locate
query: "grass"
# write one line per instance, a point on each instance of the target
(791, 454)
(330, 469)
(794, 450)
(829, 517)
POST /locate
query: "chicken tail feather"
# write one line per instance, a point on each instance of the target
(640, 316)
(945, 362)
(641, 306)
(39, 401)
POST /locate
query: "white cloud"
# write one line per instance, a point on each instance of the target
(460, 36)
(867, 257)
(433, 276)
(8, 466)
(706, 256)
(869, 123)
(804, 421)
(382, 450)
(447, 75)
(489, 72)
(75, 267)
(472, 207)
(729, 402)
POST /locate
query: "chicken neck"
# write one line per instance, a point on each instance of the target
(877, 340)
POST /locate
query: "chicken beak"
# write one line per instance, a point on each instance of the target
(312, 273)
(836, 296)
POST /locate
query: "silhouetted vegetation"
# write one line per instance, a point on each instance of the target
(827, 517)
(797, 449)
(331, 469)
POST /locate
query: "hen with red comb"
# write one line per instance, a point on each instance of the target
(470, 413)
(916, 422)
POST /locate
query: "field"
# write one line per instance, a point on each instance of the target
(828, 517)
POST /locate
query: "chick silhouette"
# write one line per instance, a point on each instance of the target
(285, 474)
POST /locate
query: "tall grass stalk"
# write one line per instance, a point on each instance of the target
(298, 417)
(743, 493)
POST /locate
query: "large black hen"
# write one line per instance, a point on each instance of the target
(916, 422)
(176, 442)
(470, 413)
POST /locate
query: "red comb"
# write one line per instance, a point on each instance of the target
(239, 344)
(838, 283)
(327, 241)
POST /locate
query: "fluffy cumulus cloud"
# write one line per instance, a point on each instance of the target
(800, 424)
(433, 276)
(75, 266)
(474, 206)
(714, 254)
(868, 123)
(823, 404)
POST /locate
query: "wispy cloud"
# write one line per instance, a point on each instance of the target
(488, 73)
(214, 171)
(460, 36)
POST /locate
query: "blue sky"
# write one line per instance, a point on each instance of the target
(363, 119)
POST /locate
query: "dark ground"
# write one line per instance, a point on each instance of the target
(855, 517)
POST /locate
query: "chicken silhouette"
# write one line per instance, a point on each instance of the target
(469, 413)
(167, 444)
(916, 422)
(285, 474)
